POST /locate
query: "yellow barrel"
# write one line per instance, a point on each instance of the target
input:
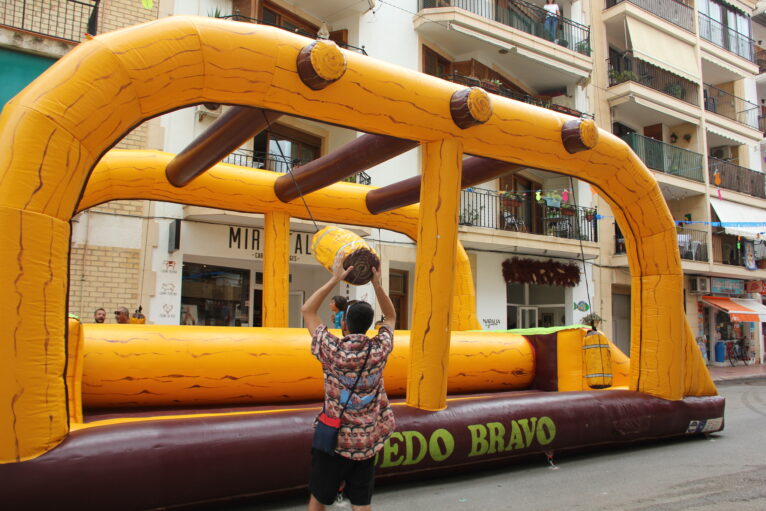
(597, 360)
(328, 242)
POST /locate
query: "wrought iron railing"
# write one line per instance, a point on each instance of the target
(64, 19)
(239, 17)
(262, 160)
(280, 163)
(692, 244)
(526, 17)
(726, 37)
(630, 68)
(487, 208)
(526, 98)
(678, 13)
(667, 158)
(737, 109)
(726, 174)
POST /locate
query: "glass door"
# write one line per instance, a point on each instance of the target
(527, 317)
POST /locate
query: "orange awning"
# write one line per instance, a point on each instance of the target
(736, 311)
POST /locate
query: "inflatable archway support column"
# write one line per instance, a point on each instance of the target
(434, 275)
(276, 269)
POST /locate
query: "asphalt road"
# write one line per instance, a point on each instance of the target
(726, 471)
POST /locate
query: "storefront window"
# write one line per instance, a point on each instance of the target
(214, 295)
(531, 306)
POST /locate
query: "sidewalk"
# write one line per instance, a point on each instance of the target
(737, 373)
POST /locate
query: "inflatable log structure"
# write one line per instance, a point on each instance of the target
(71, 404)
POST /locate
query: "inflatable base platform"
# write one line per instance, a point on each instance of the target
(165, 461)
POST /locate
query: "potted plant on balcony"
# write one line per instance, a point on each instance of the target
(470, 215)
(675, 89)
(568, 209)
(510, 200)
(491, 85)
(591, 319)
(618, 76)
(590, 214)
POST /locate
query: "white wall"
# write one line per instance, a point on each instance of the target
(490, 290)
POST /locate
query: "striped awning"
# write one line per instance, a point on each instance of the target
(738, 309)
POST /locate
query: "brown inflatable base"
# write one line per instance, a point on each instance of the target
(161, 463)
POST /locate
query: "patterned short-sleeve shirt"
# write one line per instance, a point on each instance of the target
(368, 420)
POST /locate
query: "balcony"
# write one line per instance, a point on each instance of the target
(279, 163)
(490, 209)
(667, 158)
(525, 98)
(762, 124)
(245, 19)
(677, 13)
(728, 105)
(726, 38)
(736, 178)
(630, 68)
(692, 244)
(524, 16)
(69, 20)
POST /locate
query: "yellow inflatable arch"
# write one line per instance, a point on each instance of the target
(55, 132)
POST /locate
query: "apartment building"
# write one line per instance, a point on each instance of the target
(679, 83)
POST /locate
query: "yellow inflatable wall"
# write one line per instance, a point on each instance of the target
(54, 132)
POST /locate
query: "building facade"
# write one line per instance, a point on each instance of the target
(680, 83)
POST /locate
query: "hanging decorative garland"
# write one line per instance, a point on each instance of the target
(532, 271)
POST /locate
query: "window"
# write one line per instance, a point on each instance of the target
(273, 15)
(280, 148)
(725, 26)
(531, 306)
(214, 295)
(434, 64)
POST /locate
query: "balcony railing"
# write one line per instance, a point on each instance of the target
(692, 244)
(727, 38)
(279, 163)
(63, 19)
(667, 158)
(678, 13)
(487, 208)
(734, 177)
(245, 19)
(737, 109)
(762, 124)
(502, 91)
(629, 68)
(526, 17)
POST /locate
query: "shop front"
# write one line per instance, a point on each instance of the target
(732, 323)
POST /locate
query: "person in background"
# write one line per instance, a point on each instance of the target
(122, 315)
(338, 304)
(354, 361)
(99, 315)
(551, 23)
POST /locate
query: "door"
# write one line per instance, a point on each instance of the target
(295, 318)
(397, 291)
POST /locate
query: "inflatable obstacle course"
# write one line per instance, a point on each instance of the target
(79, 400)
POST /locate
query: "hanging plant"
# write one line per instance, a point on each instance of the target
(532, 271)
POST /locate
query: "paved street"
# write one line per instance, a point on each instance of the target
(722, 473)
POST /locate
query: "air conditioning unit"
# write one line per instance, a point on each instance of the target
(700, 285)
(208, 110)
(722, 153)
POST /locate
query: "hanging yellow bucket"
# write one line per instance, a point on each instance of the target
(328, 242)
(597, 360)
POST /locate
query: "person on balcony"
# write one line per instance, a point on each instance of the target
(551, 23)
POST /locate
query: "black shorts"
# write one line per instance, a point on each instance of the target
(328, 471)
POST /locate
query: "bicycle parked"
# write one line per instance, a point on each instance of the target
(737, 350)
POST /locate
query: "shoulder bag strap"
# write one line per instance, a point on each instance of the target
(358, 376)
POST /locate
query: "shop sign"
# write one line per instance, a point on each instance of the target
(218, 240)
(722, 286)
(754, 286)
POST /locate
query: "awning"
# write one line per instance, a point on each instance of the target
(728, 135)
(663, 50)
(738, 309)
(743, 220)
